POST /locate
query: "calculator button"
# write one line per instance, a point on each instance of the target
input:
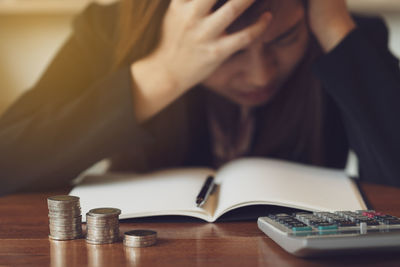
(327, 227)
(346, 224)
(303, 229)
(392, 221)
(372, 222)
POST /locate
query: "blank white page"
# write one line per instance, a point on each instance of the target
(169, 192)
(261, 181)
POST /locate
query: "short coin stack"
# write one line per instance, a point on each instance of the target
(140, 238)
(65, 219)
(102, 226)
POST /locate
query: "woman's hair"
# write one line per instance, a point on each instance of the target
(140, 22)
(139, 28)
(294, 117)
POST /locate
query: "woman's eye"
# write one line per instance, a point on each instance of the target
(238, 53)
(292, 39)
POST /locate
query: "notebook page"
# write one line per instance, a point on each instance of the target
(255, 181)
(168, 192)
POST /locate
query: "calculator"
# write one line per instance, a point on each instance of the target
(307, 234)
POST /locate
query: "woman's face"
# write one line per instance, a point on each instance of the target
(252, 76)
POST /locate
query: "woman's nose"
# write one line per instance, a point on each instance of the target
(261, 70)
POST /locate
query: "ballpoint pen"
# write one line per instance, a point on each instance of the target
(205, 191)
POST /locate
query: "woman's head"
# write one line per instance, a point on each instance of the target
(250, 77)
(254, 75)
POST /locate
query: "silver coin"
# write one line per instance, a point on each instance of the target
(104, 212)
(102, 226)
(103, 238)
(90, 227)
(140, 244)
(102, 222)
(63, 216)
(94, 242)
(65, 229)
(66, 237)
(65, 234)
(139, 241)
(140, 238)
(140, 233)
(98, 239)
(101, 219)
(103, 233)
(62, 200)
(64, 209)
(77, 220)
(63, 205)
(63, 238)
(65, 212)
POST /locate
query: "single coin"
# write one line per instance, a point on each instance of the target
(100, 242)
(140, 233)
(140, 244)
(63, 198)
(104, 212)
(103, 222)
(103, 233)
(64, 208)
(102, 225)
(65, 221)
(64, 238)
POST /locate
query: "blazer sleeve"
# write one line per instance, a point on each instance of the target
(74, 116)
(363, 78)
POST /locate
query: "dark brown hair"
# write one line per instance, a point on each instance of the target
(293, 120)
(139, 28)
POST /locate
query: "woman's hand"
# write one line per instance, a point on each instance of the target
(330, 21)
(194, 43)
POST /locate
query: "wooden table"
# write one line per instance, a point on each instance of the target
(24, 240)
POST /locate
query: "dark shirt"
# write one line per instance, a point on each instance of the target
(79, 112)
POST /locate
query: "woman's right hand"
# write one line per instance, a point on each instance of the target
(193, 45)
(193, 42)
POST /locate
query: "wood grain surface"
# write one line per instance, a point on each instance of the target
(24, 240)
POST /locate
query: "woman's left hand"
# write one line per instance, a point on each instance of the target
(330, 22)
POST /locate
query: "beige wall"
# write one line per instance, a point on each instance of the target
(27, 45)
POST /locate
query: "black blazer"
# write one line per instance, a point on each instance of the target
(78, 113)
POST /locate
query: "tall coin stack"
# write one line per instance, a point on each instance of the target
(102, 226)
(65, 219)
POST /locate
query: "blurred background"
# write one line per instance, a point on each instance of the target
(31, 31)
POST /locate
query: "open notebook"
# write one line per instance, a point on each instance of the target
(243, 182)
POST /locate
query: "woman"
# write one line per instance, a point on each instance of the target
(157, 84)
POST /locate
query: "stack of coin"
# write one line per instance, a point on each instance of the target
(102, 226)
(65, 217)
(140, 238)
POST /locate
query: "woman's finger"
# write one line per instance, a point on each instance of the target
(229, 44)
(203, 7)
(218, 21)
